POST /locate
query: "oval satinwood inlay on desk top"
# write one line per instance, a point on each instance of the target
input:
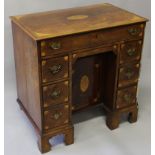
(77, 17)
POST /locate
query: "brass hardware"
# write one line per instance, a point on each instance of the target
(97, 65)
(55, 45)
(66, 99)
(121, 70)
(46, 127)
(133, 31)
(66, 82)
(131, 52)
(140, 34)
(120, 84)
(45, 105)
(84, 83)
(74, 55)
(137, 65)
(55, 69)
(65, 75)
(122, 45)
(73, 108)
(44, 80)
(44, 88)
(57, 115)
(45, 112)
(138, 57)
(127, 97)
(43, 43)
(142, 25)
(140, 42)
(95, 100)
(55, 94)
(129, 73)
(66, 58)
(117, 106)
(115, 46)
(43, 62)
(43, 53)
(66, 121)
(66, 106)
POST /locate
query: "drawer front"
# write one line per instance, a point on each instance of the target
(58, 115)
(133, 32)
(54, 69)
(128, 74)
(55, 93)
(130, 51)
(92, 39)
(64, 44)
(126, 97)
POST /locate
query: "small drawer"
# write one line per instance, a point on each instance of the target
(54, 69)
(57, 115)
(130, 51)
(64, 44)
(126, 33)
(55, 93)
(126, 97)
(128, 74)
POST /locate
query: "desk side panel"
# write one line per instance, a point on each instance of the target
(27, 73)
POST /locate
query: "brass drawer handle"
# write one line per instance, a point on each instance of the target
(131, 52)
(133, 31)
(127, 98)
(57, 115)
(129, 73)
(56, 94)
(55, 69)
(55, 45)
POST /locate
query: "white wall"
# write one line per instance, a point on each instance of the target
(16, 7)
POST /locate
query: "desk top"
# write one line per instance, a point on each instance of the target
(74, 20)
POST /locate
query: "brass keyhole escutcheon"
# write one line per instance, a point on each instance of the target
(84, 83)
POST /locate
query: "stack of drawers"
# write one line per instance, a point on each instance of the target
(128, 73)
(130, 55)
(55, 87)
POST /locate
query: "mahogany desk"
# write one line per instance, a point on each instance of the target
(67, 60)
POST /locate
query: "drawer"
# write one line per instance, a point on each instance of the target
(130, 51)
(126, 97)
(54, 69)
(64, 44)
(132, 32)
(92, 39)
(55, 93)
(57, 115)
(128, 74)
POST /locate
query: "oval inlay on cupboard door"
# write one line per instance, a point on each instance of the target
(84, 83)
